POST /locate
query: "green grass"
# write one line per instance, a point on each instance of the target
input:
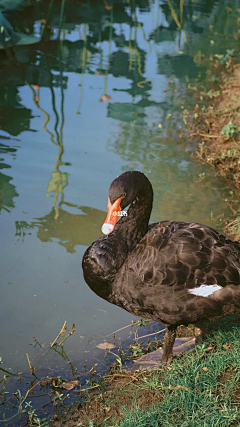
(200, 389)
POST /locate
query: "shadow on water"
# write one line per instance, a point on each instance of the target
(88, 90)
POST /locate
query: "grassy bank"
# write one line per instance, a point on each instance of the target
(201, 388)
(220, 128)
(215, 124)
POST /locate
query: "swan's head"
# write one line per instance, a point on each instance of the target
(122, 193)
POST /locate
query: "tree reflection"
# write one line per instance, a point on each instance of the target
(7, 193)
(7, 190)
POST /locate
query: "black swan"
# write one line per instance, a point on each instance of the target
(173, 272)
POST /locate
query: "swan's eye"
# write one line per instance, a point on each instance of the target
(123, 195)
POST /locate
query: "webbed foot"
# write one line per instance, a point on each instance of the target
(154, 359)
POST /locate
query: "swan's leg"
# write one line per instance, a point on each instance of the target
(169, 341)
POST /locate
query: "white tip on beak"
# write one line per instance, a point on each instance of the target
(107, 228)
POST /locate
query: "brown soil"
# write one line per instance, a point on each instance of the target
(218, 149)
(119, 391)
(217, 130)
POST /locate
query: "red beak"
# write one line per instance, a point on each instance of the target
(112, 216)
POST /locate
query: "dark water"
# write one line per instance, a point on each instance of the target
(60, 148)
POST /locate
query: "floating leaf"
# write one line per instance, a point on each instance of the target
(105, 345)
(70, 385)
(105, 98)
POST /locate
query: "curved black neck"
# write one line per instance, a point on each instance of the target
(105, 256)
(134, 226)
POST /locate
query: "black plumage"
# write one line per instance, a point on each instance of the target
(150, 270)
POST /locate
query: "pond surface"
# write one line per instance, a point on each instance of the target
(75, 112)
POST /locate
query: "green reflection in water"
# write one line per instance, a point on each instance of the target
(71, 229)
(7, 190)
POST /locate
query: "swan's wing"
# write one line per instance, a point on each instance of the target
(185, 255)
